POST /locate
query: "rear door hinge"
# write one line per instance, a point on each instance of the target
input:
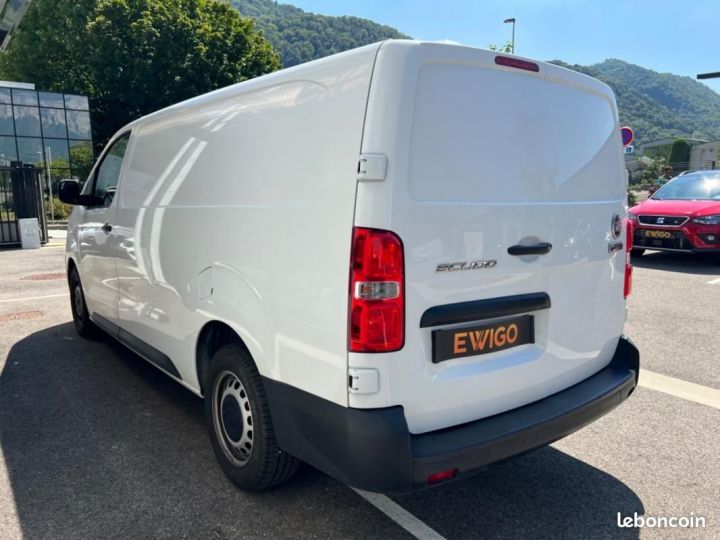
(372, 167)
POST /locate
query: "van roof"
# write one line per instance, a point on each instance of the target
(432, 49)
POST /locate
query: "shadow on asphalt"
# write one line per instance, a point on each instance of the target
(685, 263)
(543, 494)
(99, 443)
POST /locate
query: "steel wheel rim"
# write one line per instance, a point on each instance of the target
(232, 418)
(78, 301)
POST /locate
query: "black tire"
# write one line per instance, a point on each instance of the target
(637, 252)
(81, 318)
(239, 422)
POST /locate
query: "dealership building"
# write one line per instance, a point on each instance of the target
(50, 130)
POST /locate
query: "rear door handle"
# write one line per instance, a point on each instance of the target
(541, 248)
(106, 228)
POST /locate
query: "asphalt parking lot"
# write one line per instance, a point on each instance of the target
(94, 442)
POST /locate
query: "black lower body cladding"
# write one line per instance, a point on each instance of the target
(372, 449)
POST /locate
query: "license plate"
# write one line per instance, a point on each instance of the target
(482, 339)
(658, 235)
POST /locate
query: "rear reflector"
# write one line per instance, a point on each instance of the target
(629, 227)
(377, 292)
(516, 63)
(442, 476)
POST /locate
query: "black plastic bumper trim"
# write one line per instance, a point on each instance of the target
(372, 449)
(476, 310)
(498, 437)
(148, 352)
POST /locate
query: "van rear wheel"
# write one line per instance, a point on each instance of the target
(81, 317)
(239, 422)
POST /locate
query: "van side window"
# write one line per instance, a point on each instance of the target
(108, 173)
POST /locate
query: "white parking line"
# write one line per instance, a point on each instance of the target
(679, 388)
(714, 282)
(28, 298)
(400, 516)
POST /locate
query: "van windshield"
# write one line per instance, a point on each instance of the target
(704, 185)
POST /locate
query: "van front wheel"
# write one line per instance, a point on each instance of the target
(239, 422)
(81, 317)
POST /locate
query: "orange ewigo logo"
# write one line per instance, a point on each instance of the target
(480, 340)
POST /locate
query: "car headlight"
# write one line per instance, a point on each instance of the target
(708, 220)
(632, 217)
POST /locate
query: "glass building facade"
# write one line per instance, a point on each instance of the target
(49, 130)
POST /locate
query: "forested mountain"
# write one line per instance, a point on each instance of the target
(658, 105)
(300, 36)
(655, 105)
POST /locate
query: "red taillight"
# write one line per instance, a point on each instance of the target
(627, 289)
(516, 63)
(442, 476)
(377, 292)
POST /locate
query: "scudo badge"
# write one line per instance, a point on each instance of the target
(472, 265)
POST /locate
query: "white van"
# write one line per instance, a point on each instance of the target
(398, 264)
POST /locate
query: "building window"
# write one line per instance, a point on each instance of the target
(24, 97)
(8, 151)
(7, 126)
(56, 150)
(79, 103)
(27, 121)
(30, 151)
(78, 125)
(49, 130)
(53, 123)
(50, 99)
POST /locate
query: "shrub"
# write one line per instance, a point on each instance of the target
(631, 198)
(62, 211)
(648, 172)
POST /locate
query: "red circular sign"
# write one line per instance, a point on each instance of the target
(627, 135)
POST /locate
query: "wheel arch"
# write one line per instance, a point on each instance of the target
(212, 336)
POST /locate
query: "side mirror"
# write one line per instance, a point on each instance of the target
(69, 193)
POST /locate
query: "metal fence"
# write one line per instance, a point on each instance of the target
(680, 166)
(20, 197)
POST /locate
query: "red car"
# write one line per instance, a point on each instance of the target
(683, 215)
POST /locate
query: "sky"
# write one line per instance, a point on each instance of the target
(677, 36)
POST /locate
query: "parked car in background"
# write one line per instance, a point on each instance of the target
(683, 215)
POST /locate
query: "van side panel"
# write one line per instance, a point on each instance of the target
(238, 207)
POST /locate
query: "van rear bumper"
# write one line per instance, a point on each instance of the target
(372, 449)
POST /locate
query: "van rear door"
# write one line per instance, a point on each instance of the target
(503, 181)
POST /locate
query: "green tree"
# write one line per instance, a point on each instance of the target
(133, 57)
(506, 48)
(81, 156)
(679, 152)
